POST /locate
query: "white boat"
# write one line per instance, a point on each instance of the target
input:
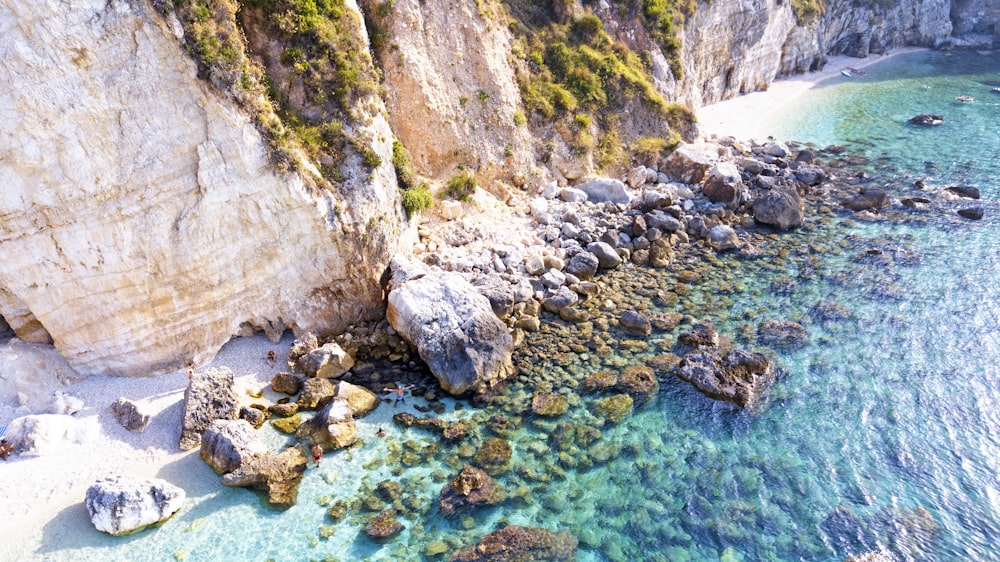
(846, 73)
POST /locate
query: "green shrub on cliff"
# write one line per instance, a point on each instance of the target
(808, 10)
(416, 200)
(462, 185)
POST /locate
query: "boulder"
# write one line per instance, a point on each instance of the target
(383, 526)
(583, 265)
(602, 190)
(689, 164)
(572, 195)
(867, 199)
(452, 326)
(701, 334)
(332, 428)
(549, 404)
(127, 414)
(599, 381)
(780, 207)
(254, 415)
(810, 175)
(227, 444)
(739, 377)
(775, 148)
(326, 362)
(471, 489)
(499, 292)
(278, 475)
(663, 221)
(926, 119)
(639, 382)
(636, 323)
(121, 505)
(359, 399)
(209, 396)
(723, 184)
(723, 237)
(972, 213)
(966, 191)
(660, 253)
(520, 544)
(42, 434)
(286, 383)
(315, 392)
(607, 257)
(450, 210)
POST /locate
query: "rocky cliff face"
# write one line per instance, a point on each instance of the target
(143, 221)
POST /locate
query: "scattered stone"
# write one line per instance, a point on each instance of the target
(723, 237)
(600, 381)
(121, 505)
(868, 199)
(549, 404)
(471, 489)
(688, 164)
(810, 175)
(361, 400)
(583, 265)
(724, 185)
(972, 213)
(520, 544)
(127, 414)
(209, 396)
(404, 419)
(284, 410)
(288, 424)
(701, 335)
(607, 257)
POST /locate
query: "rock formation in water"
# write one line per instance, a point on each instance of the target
(159, 199)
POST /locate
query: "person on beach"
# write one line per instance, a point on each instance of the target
(399, 390)
(380, 432)
(272, 356)
(6, 448)
(317, 453)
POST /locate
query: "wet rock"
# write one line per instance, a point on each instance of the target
(701, 335)
(639, 382)
(636, 323)
(614, 408)
(607, 257)
(810, 175)
(453, 327)
(404, 419)
(494, 455)
(740, 377)
(501, 425)
(780, 207)
(278, 475)
(121, 505)
(455, 431)
(520, 544)
(383, 526)
(288, 424)
(332, 428)
(660, 253)
(254, 416)
(361, 400)
(867, 199)
(972, 213)
(127, 414)
(782, 333)
(315, 392)
(560, 299)
(471, 489)
(226, 444)
(723, 237)
(601, 190)
(286, 383)
(209, 396)
(326, 362)
(549, 404)
(926, 119)
(966, 191)
(574, 315)
(284, 410)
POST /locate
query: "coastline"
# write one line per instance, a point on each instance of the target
(741, 117)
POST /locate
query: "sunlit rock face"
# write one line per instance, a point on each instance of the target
(143, 224)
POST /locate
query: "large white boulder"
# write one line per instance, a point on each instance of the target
(120, 505)
(453, 327)
(42, 434)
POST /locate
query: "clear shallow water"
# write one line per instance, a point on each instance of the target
(883, 433)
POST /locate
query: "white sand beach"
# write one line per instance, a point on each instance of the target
(39, 488)
(743, 116)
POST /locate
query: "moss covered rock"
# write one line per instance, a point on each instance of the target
(494, 455)
(383, 526)
(614, 408)
(472, 488)
(549, 404)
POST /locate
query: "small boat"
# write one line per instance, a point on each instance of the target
(965, 98)
(855, 70)
(995, 90)
(846, 73)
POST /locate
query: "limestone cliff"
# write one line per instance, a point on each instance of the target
(144, 222)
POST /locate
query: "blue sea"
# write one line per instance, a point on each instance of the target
(881, 434)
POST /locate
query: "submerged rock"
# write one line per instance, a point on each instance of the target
(453, 327)
(636, 323)
(639, 382)
(549, 404)
(494, 455)
(971, 213)
(383, 526)
(122, 505)
(868, 199)
(927, 119)
(614, 408)
(209, 396)
(782, 333)
(520, 544)
(472, 488)
(739, 377)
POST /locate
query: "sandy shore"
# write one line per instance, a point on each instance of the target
(38, 489)
(743, 117)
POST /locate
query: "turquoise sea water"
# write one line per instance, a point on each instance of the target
(881, 434)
